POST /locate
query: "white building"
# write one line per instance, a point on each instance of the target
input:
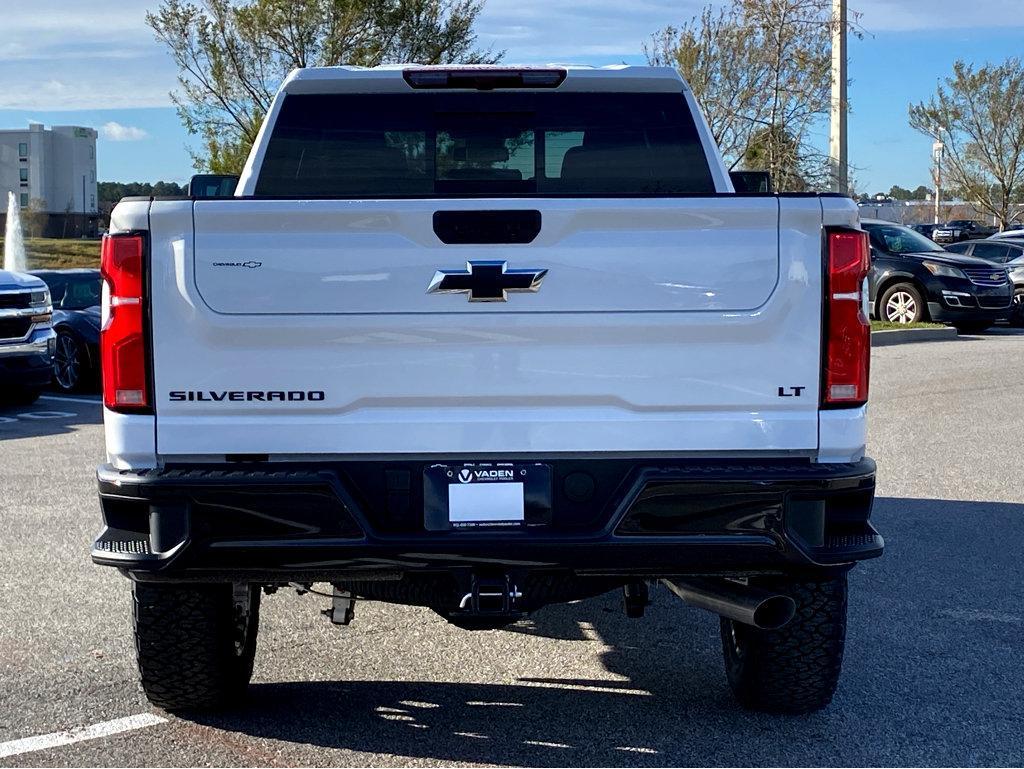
(54, 171)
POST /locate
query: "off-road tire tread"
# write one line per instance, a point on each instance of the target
(796, 668)
(184, 644)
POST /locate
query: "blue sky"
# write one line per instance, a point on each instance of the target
(94, 62)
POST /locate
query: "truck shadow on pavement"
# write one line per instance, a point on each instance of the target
(533, 722)
(932, 675)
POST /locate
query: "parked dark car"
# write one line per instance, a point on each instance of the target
(76, 319)
(913, 279)
(961, 229)
(925, 229)
(1008, 253)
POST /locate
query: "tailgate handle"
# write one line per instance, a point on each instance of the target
(487, 227)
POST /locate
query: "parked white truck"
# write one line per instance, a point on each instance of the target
(483, 339)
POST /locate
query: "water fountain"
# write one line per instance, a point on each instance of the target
(14, 242)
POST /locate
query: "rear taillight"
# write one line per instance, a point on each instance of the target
(124, 359)
(847, 355)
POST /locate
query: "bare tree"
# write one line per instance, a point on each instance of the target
(68, 208)
(718, 55)
(233, 55)
(34, 216)
(978, 114)
(761, 71)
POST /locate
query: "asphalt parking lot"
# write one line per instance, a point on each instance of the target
(933, 673)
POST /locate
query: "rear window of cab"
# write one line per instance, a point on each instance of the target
(436, 144)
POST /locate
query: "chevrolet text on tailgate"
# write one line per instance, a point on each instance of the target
(481, 340)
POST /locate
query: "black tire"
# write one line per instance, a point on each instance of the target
(912, 299)
(1017, 317)
(976, 327)
(19, 396)
(794, 669)
(194, 644)
(71, 371)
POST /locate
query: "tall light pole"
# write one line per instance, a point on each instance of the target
(938, 149)
(837, 148)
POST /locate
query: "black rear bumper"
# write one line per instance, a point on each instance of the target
(363, 520)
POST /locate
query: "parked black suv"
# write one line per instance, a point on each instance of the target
(912, 279)
(925, 229)
(1005, 252)
(961, 229)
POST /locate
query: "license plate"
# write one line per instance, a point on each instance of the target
(482, 495)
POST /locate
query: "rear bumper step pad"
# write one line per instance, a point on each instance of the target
(266, 522)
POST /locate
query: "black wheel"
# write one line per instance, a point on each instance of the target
(19, 396)
(975, 327)
(794, 669)
(1017, 316)
(902, 303)
(195, 644)
(70, 364)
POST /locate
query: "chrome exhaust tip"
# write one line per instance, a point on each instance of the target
(773, 612)
(740, 603)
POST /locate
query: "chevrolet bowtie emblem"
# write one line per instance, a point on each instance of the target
(486, 281)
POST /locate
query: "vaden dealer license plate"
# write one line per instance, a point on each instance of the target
(485, 495)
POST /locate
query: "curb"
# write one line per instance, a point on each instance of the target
(903, 336)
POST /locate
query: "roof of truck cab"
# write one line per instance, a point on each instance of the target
(390, 78)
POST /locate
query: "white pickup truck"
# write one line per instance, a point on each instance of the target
(480, 340)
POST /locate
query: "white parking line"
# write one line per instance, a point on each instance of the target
(82, 733)
(84, 399)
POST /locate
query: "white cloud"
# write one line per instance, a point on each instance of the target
(72, 55)
(116, 132)
(84, 88)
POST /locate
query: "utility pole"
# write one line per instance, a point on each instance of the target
(938, 149)
(837, 149)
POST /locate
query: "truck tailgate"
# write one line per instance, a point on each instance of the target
(337, 258)
(661, 325)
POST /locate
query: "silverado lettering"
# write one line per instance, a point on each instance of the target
(247, 395)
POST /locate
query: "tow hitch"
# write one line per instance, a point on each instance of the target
(490, 595)
(487, 602)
